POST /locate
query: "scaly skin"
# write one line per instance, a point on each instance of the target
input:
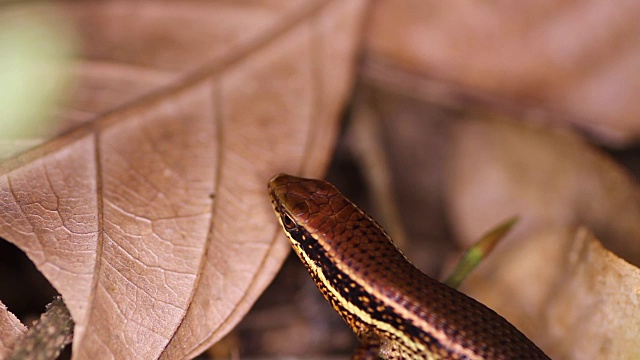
(395, 310)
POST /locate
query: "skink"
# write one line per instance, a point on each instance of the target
(395, 310)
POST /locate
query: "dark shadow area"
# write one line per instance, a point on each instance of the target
(23, 289)
(628, 157)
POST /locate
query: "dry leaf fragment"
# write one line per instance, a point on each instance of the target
(153, 221)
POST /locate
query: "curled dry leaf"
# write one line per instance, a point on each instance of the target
(11, 330)
(581, 304)
(152, 220)
(545, 277)
(578, 58)
(592, 311)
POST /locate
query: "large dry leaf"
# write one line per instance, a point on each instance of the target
(152, 221)
(545, 277)
(575, 58)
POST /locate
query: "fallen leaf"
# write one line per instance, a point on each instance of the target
(545, 277)
(577, 60)
(582, 304)
(149, 212)
(593, 310)
(499, 168)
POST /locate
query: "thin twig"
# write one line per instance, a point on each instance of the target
(46, 339)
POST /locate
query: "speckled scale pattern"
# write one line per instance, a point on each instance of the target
(354, 252)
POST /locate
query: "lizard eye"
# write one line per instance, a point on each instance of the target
(288, 222)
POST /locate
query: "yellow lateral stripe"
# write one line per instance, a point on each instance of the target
(400, 311)
(353, 309)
